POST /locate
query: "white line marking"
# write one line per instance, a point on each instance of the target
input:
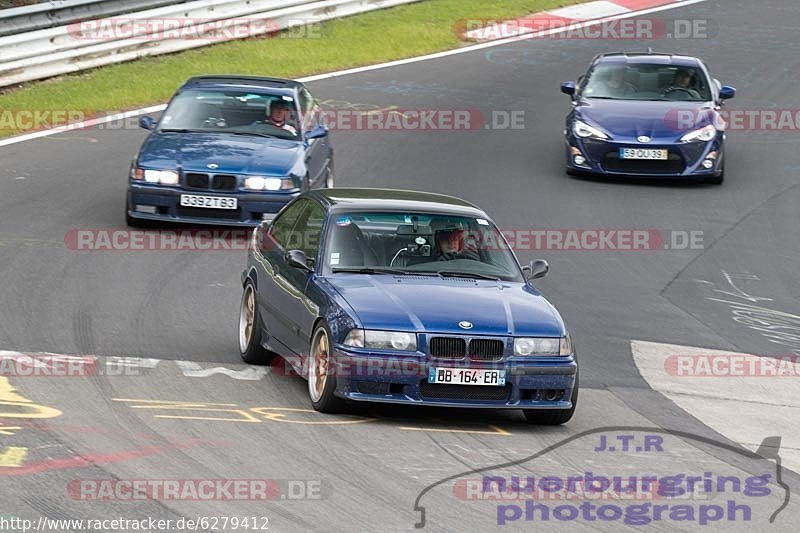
(347, 72)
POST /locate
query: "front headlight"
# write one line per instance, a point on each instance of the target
(542, 346)
(704, 134)
(259, 183)
(583, 130)
(382, 340)
(164, 177)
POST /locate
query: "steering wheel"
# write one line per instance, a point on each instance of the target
(684, 90)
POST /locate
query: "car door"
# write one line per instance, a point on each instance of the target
(275, 290)
(317, 150)
(306, 237)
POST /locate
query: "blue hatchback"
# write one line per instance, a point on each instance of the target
(404, 297)
(229, 150)
(647, 115)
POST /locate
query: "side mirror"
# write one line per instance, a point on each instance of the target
(568, 87)
(726, 92)
(297, 259)
(536, 269)
(147, 122)
(316, 133)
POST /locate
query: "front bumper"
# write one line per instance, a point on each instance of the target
(543, 383)
(685, 160)
(162, 203)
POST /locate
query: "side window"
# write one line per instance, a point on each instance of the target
(308, 230)
(281, 229)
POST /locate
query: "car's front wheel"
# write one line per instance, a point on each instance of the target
(250, 329)
(553, 417)
(321, 379)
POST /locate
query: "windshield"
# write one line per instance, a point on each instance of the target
(419, 243)
(235, 112)
(617, 81)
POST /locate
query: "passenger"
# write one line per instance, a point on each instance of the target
(613, 85)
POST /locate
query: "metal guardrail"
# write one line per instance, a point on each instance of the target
(60, 12)
(65, 49)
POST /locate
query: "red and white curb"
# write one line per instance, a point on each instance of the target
(557, 20)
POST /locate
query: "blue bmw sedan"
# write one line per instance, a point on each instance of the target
(646, 114)
(229, 150)
(404, 297)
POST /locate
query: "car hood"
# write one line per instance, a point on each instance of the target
(234, 154)
(631, 119)
(434, 305)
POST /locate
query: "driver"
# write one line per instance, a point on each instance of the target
(450, 245)
(682, 81)
(277, 114)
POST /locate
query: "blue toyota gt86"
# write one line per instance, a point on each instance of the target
(229, 150)
(647, 115)
(404, 297)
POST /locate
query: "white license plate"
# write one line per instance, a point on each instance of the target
(209, 202)
(467, 376)
(642, 153)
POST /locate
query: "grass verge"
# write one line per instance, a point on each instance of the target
(400, 32)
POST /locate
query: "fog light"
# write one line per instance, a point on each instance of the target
(579, 159)
(151, 209)
(708, 163)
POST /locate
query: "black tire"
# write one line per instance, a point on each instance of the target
(250, 339)
(554, 417)
(322, 394)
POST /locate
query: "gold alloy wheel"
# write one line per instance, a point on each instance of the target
(318, 365)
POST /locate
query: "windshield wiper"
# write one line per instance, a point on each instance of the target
(457, 274)
(254, 134)
(183, 130)
(370, 270)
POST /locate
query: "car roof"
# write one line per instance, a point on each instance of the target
(366, 199)
(280, 86)
(647, 58)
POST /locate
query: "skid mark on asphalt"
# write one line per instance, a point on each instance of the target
(88, 460)
(228, 412)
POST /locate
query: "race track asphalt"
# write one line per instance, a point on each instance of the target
(178, 307)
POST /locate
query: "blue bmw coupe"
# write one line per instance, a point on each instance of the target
(647, 114)
(404, 297)
(229, 150)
